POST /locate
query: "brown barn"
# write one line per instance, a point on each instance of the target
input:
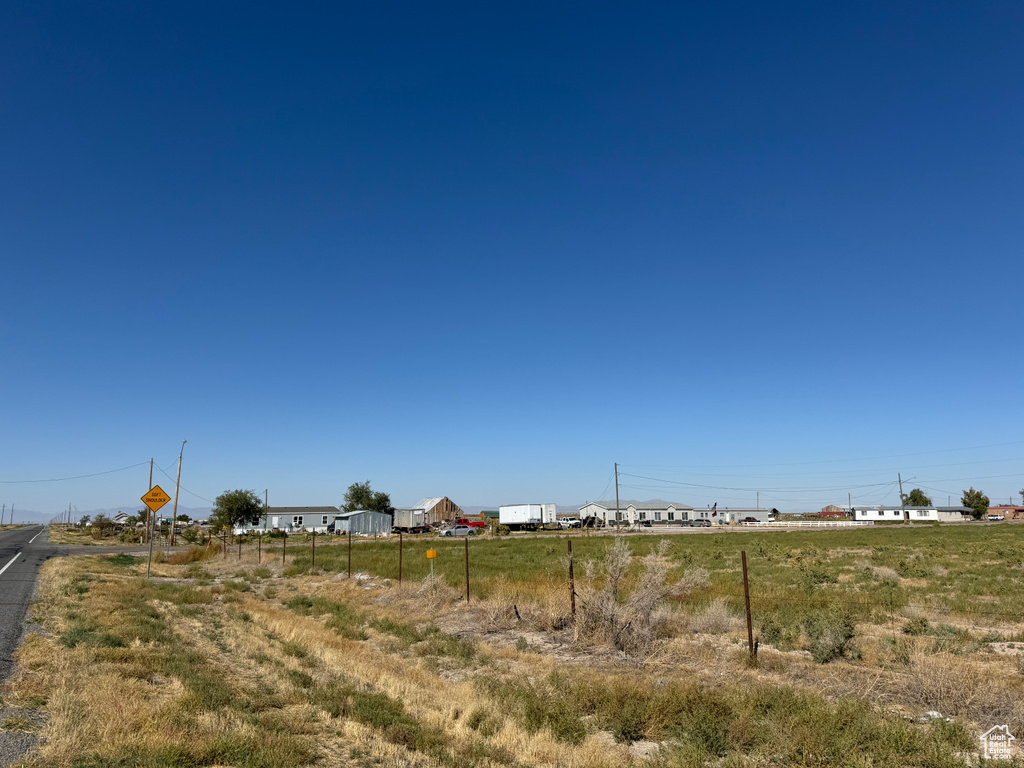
(439, 509)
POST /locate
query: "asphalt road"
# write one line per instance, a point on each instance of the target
(22, 552)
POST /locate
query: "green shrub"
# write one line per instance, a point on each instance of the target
(918, 626)
(830, 636)
(782, 636)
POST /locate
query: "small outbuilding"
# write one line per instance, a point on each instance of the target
(363, 522)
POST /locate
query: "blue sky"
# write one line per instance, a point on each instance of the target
(486, 250)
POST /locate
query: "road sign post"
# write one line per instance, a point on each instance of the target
(154, 499)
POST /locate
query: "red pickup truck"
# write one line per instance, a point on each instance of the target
(471, 523)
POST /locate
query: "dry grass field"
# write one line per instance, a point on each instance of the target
(893, 647)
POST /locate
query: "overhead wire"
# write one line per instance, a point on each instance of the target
(77, 477)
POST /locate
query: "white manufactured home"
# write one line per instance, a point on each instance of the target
(911, 514)
(645, 513)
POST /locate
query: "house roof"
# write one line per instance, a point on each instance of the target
(625, 504)
(302, 510)
(428, 504)
(354, 512)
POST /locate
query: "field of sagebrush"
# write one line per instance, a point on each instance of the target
(889, 647)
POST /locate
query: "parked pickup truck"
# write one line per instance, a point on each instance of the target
(470, 523)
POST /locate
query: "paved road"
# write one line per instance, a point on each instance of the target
(22, 553)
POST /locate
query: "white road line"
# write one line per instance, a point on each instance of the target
(9, 564)
(33, 538)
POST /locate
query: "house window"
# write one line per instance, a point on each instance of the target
(323, 520)
(657, 516)
(618, 516)
(643, 515)
(686, 516)
(297, 521)
(922, 513)
(671, 515)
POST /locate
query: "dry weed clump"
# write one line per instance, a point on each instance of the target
(959, 686)
(635, 624)
(716, 618)
(190, 555)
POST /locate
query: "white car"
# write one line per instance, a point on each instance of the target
(570, 522)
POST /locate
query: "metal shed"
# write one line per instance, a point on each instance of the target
(363, 522)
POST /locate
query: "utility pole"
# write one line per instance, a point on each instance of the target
(903, 504)
(758, 500)
(266, 511)
(616, 497)
(149, 512)
(174, 515)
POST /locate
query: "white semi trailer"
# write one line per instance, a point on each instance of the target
(527, 516)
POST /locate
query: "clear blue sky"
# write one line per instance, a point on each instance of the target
(485, 250)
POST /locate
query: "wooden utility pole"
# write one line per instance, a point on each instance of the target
(616, 496)
(174, 514)
(149, 512)
(903, 504)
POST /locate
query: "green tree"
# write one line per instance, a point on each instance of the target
(362, 496)
(85, 520)
(238, 508)
(916, 498)
(977, 501)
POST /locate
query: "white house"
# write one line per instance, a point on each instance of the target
(896, 514)
(646, 513)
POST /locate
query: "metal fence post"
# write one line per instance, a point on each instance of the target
(466, 540)
(572, 583)
(399, 558)
(746, 597)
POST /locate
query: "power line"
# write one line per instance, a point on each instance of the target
(754, 490)
(78, 477)
(830, 461)
(210, 501)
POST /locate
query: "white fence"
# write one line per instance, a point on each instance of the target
(811, 524)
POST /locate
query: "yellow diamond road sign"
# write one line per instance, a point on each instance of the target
(156, 498)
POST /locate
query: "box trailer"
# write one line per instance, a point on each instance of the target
(411, 521)
(527, 516)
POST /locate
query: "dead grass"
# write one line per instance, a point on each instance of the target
(253, 668)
